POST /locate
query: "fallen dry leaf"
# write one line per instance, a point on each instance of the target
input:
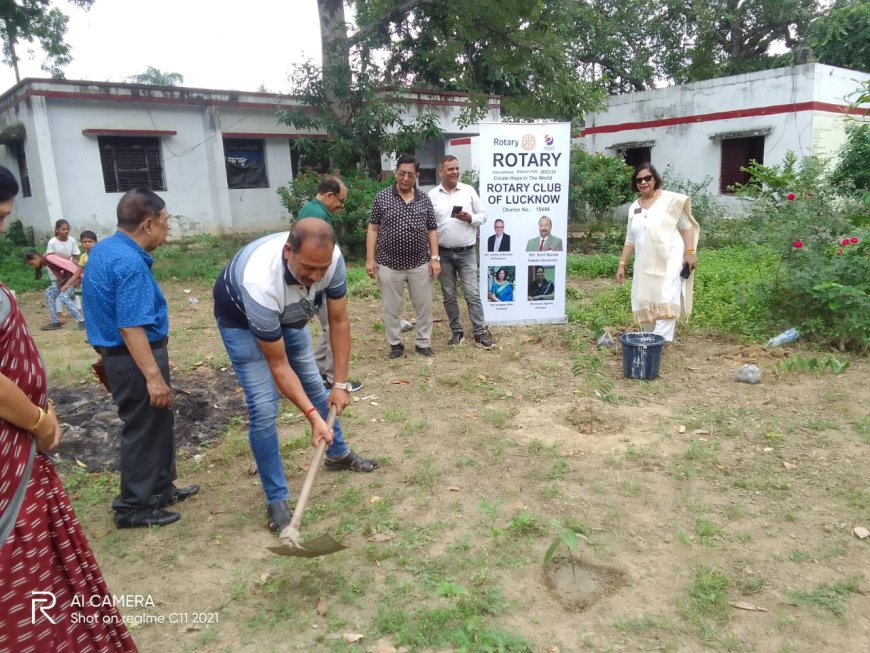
(350, 638)
(79, 462)
(482, 377)
(321, 606)
(382, 537)
(788, 465)
(401, 382)
(743, 605)
(860, 532)
(453, 488)
(681, 428)
(376, 499)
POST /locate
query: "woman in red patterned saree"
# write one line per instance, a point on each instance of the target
(52, 594)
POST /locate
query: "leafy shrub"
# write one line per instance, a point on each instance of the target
(17, 234)
(472, 178)
(853, 168)
(599, 183)
(705, 205)
(352, 221)
(821, 282)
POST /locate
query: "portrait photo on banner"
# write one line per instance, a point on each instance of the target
(542, 280)
(500, 280)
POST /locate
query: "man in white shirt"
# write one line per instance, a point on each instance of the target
(459, 213)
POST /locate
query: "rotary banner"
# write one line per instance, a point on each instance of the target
(524, 187)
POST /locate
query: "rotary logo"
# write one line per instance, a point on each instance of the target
(528, 142)
(548, 140)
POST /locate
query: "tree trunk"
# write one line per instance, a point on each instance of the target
(334, 52)
(13, 56)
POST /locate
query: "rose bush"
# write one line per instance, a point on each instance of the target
(822, 282)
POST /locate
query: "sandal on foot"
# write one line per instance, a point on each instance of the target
(352, 461)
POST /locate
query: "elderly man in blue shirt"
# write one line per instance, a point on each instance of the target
(128, 324)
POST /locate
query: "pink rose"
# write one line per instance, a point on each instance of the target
(853, 240)
(798, 244)
(845, 241)
(791, 197)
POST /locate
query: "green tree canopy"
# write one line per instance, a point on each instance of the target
(36, 23)
(841, 37)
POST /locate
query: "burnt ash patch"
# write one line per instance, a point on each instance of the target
(204, 401)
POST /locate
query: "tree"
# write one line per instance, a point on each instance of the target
(712, 38)
(841, 37)
(512, 48)
(36, 23)
(157, 77)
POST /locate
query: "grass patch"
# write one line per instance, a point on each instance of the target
(708, 532)
(456, 621)
(828, 598)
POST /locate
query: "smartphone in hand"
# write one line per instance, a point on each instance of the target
(686, 271)
(456, 211)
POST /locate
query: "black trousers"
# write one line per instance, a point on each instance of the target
(147, 438)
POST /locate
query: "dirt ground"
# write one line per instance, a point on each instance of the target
(485, 454)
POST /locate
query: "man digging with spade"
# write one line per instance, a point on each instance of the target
(264, 299)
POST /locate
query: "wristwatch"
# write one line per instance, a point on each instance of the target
(345, 385)
(435, 258)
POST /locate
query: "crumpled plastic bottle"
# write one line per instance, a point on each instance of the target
(787, 336)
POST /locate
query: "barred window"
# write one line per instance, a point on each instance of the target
(131, 162)
(246, 163)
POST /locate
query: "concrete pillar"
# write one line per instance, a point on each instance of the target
(217, 171)
(46, 164)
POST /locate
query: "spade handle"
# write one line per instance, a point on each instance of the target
(316, 461)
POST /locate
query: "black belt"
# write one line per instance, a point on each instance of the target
(122, 349)
(457, 250)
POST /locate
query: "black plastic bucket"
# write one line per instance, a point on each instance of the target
(641, 355)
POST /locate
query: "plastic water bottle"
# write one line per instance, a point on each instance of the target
(783, 338)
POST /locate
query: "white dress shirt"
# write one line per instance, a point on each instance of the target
(453, 232)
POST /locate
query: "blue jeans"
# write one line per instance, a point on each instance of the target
(261, 395)
(67, 298)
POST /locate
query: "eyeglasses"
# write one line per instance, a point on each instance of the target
(647, 179)
(405, 174)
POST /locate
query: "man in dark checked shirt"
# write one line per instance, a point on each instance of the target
(402, 248)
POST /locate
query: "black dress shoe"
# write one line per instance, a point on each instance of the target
(180, 494)
(146, 518)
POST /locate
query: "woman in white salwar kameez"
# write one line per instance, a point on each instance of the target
(663, 236)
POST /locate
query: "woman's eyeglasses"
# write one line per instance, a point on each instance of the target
(647, 179)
